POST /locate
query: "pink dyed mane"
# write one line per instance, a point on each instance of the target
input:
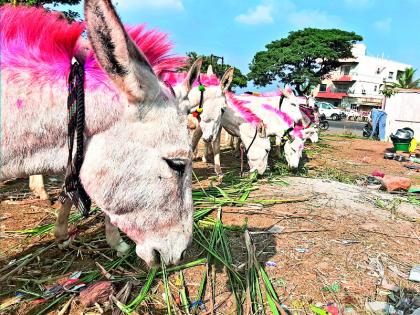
(37, 41)
(43, 44)
(175, 78)
(154, 44)
(297, 131)
(244, 111)
(286, 118)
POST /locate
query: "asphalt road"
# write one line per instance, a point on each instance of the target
(341, 126)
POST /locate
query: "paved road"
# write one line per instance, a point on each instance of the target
(343, 125)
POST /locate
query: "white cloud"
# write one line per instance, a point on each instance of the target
(261, 14)
(383, 25)
(313, 18)
(359, 4)
(150, 4)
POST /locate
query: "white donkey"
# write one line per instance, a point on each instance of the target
(137, 160)
(217, 113)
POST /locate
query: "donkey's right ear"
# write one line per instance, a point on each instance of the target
(117, 54)
(227, 79)
(210, 71)
(191, 77)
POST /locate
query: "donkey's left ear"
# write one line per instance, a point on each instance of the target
(191, 77)
(124, 63)
(227, 79)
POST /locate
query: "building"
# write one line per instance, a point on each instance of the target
(357, 82)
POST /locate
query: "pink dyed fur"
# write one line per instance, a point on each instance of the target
(175, 78)
(31, 38)
(41, 37)
(238, 105)
(286, 118)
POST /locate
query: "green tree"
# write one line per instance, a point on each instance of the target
(303, 58)
(404, 81)
(69, 14)
(239, 80)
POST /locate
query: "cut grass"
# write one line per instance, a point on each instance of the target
(210, 235)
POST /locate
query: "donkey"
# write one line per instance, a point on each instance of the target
(209, 126)
(137, 161)
(181, 86)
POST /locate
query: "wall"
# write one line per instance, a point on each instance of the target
(403, 110)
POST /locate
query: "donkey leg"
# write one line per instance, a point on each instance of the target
(114, 239)
(216, 154)
(36, 184)
(205, 153)
(195, 139)
(61, 227)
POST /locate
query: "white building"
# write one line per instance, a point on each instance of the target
(358, 81)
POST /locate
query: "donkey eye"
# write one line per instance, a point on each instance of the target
(177, 164)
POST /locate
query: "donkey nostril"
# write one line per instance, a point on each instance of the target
(156, 257)
(183, 254)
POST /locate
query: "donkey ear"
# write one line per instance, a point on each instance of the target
(117, 54)
(210, 70)
(191, 77)
(287, 93)
(227, 79)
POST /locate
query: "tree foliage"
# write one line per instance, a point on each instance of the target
(69, 14)
(239, 80)
(404, 81)
(303, 58)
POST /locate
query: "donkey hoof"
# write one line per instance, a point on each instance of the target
(62, 244)
(122, 249)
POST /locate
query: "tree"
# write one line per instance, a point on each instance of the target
(404, 81)
(69, 14)
(303, 58)
(239, 80)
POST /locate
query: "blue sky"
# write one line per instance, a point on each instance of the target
(238, 29)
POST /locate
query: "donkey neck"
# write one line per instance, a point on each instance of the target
(34, 123)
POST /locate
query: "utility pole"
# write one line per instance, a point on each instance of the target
(216, 58)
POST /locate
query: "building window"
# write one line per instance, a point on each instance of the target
(345, 70)
(322, 87)
(375, 88)
(391, 75)
(399, 74)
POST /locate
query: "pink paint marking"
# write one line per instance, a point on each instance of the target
(43, 44)
(239, 106)
(176, 78)
(297, 131)
(285, 117)
(19, 103)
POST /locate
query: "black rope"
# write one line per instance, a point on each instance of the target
(246, 151)
(252, 142)
(281, 101)
(73, 189)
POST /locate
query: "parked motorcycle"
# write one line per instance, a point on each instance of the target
(323, 123)
(367, 130)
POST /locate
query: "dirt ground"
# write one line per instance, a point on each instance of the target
(342, 243)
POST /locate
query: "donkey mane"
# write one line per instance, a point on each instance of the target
(175, 78)
(43, 44)
(284, 116)
(240, 107)
(38, 41)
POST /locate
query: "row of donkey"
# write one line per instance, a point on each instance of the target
(253, 118)
(138, 155)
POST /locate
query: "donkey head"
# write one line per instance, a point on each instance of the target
(257, 144)
(139, 170)
(293, 148)
(214, 105)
